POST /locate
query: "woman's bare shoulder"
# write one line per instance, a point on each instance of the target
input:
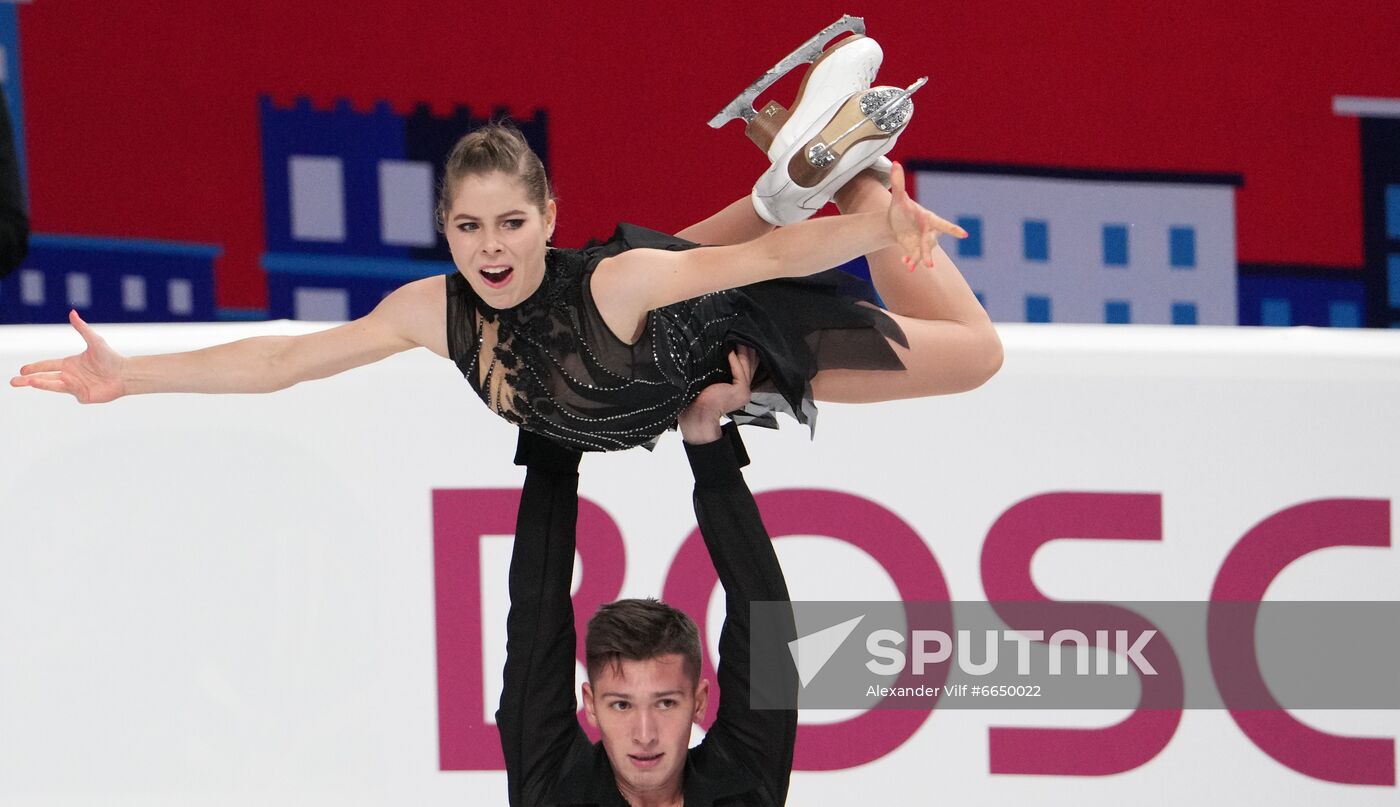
(417, 311)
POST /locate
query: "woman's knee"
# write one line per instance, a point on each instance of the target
(958, 364)
(989, 353)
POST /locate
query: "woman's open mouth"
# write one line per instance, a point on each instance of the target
(496, 276)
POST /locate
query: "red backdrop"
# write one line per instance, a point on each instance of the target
(141, 118)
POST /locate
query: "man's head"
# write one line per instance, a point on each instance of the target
(644, 690)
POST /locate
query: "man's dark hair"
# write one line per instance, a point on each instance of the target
(636, 630)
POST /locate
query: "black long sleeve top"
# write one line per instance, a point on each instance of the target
(746, 757)
(14, 221)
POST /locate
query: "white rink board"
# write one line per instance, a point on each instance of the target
(229, 600)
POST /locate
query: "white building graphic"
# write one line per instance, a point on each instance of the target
(1055, 245)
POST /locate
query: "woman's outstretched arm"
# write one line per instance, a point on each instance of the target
(413, 315)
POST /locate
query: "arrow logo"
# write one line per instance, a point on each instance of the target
(811, 652)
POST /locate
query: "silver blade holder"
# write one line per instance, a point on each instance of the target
(808, 52)
(820, 154)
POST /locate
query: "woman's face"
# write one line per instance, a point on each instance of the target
(497, 237)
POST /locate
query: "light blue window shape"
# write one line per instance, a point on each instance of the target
(317, 185)
(1275, 311)
(1115, 245)
(1392, 212)
(970, 247)
(1183, 313)
(1117, 312)
(1393, 276)
(179, 296)
(31, 287)
(1343, 314)
(1035, 240)
(1183, 247)
(1037, 308)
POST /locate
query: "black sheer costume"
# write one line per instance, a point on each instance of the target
(551, 365)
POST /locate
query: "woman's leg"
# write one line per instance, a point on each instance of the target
(953, 346)
(734, 224)
(943, 357)
(937, 292)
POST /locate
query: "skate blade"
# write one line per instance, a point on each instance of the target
(876, 113)
(810, 51)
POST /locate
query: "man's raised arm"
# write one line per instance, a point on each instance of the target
(743, 556)
(537, 717)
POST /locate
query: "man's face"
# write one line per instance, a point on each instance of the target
(644, 711)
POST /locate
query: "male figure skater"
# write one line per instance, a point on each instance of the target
(643, 657)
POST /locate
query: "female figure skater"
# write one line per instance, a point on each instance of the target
(602, 348)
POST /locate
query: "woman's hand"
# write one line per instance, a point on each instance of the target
(915, 228)
(93, 376)
(699, 423)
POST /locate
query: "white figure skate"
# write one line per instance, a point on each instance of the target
(847, 67)
(836, 66)
(847, 138)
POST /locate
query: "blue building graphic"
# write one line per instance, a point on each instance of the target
(1344, 297)
(1282, 294)
(110, 280)
(349, 199)
(1379, 129)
